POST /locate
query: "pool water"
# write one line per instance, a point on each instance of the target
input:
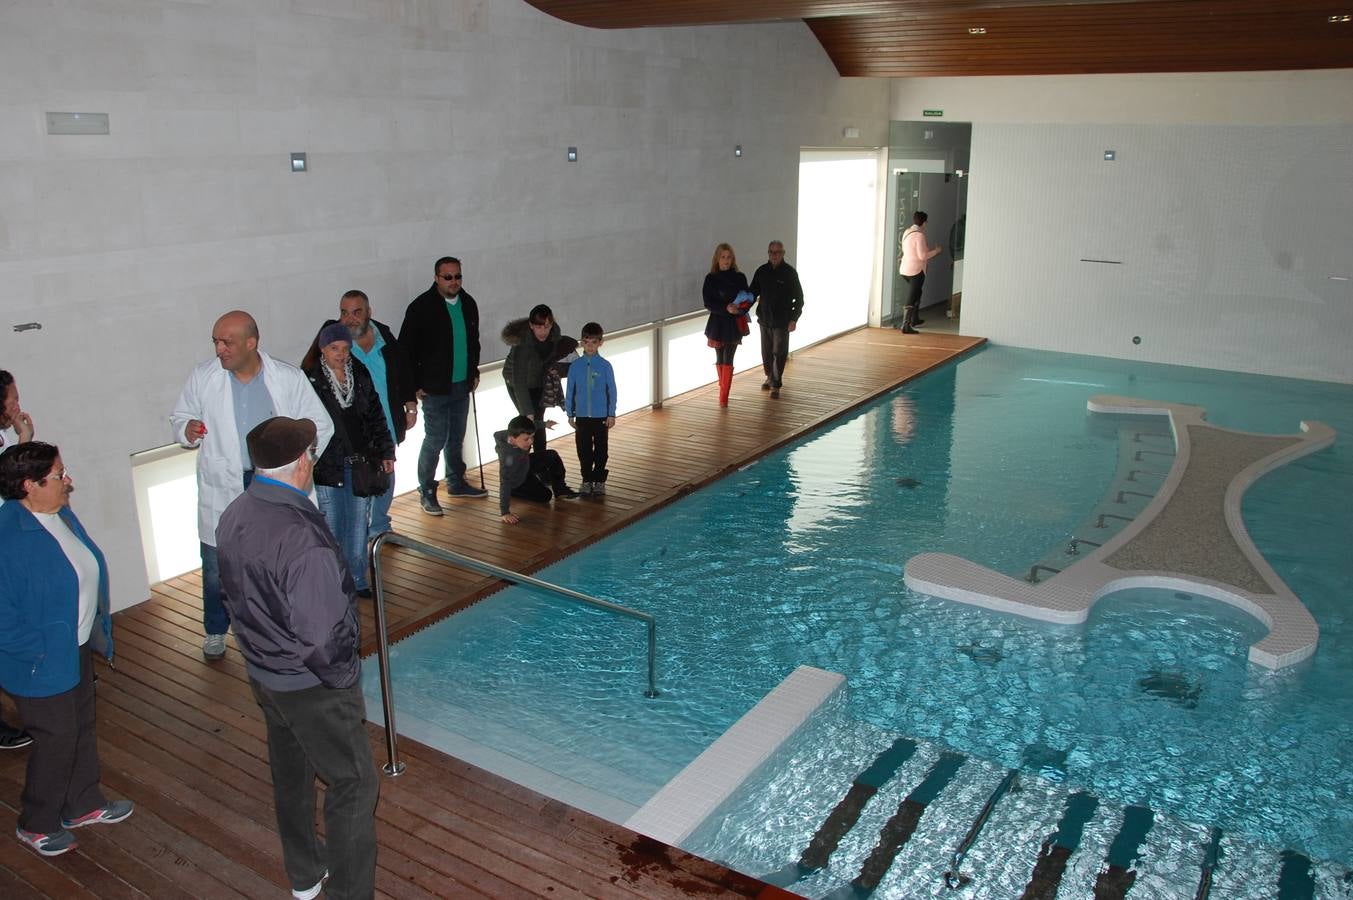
(798, 560)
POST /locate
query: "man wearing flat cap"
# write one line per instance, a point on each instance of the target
(292, 604)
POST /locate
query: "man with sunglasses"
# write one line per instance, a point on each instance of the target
(440, 336)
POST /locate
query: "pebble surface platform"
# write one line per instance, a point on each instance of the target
(1190, 537)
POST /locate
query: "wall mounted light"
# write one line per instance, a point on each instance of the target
(1110, 155)
(737, 151)
(77, 123)
(298, 162)
(572, 154)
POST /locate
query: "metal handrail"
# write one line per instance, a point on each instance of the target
(395, 767)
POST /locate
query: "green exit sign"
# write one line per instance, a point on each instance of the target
(933, 113)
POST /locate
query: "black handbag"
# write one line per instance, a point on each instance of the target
(369, 478)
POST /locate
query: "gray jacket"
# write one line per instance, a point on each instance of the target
(291, 599)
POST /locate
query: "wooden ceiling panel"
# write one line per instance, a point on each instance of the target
(901, 38)
(1208, 36)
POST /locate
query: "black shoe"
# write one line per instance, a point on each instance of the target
(907, 329)
(364, 593)
(775, 393)
(428, 500)
(465, 489)
(564, 492)
(765, 385)
(12, 738)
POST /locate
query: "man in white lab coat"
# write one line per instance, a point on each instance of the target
(223, 400)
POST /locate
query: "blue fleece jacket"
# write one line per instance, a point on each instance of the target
(591, 388)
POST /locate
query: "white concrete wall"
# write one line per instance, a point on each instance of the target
(1229, 209)
(431, 128)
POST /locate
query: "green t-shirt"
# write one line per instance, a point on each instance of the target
(459, 351)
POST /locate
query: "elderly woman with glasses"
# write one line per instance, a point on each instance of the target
(349, 395)
(53, 618)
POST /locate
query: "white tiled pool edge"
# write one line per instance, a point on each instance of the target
(698, 790)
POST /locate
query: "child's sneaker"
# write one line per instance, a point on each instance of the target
(598, 488)
(585, 489)
(54, 844)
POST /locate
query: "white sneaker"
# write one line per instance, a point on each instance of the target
(585, 489)
(213, 647)
(311, 892)
(598, 488)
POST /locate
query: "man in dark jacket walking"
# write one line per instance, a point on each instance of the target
(440, 334)
(779, 304)
(292, 605)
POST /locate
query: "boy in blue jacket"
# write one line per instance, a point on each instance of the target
(589, 404)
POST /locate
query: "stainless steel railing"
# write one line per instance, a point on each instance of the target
(394, 766)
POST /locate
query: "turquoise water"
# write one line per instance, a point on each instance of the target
(798, 560)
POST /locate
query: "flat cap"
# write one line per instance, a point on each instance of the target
(279, 441)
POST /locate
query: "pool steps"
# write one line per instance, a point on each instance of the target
(1189, 536)
(1093, 849)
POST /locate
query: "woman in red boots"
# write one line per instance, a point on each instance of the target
(727, 321)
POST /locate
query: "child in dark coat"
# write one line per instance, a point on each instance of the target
(521, 473)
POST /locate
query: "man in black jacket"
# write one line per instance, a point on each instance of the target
(374, 346)
(440, 334)
(779, 304)
(292, 605)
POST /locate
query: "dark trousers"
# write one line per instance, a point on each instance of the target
(444, 417)
(215, 616)
(591, 437)
(774, 353)
(319, 731)
(546, 473)
(63, 763)
(916, 283)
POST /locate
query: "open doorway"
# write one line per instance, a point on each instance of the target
(838, 241)
(928, 172)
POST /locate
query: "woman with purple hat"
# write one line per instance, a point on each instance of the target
(361, 449)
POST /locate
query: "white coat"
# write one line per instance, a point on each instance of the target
(207, 398)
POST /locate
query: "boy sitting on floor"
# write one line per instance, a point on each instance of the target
(522, 473)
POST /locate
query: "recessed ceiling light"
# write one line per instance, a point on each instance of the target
(1341, 20)
(977, 31)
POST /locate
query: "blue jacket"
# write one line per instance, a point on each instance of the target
(40, 606)
(591, 388)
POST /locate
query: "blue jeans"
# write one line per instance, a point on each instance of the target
(444, 418)
(380, 511)
(215, 617)
(346, 515)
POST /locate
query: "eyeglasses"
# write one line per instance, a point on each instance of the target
(63, 475)
(456, 277)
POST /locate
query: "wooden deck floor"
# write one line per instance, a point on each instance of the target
(184, 739)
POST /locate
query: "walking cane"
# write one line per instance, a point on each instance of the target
(478, 453)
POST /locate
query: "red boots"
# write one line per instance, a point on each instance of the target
(725, 382)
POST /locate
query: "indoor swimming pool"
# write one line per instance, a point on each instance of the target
(798, 560)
